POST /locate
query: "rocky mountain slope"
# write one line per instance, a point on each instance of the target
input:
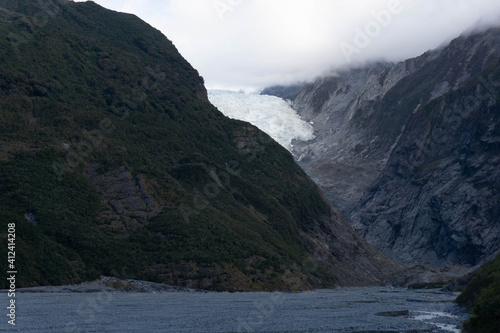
(113, 162)
(409, 151)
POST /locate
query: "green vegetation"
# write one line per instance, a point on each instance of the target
(89, 91)
(482, 298)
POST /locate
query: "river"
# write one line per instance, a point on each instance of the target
(367, 309)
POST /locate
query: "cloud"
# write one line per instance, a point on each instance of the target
(256, 43)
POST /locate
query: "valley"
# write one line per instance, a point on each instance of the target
(336, 198)
(408, 151)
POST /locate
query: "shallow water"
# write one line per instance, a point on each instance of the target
(344, 310)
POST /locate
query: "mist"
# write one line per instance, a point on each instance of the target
(251, 44)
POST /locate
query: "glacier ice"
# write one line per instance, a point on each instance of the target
(270, 114)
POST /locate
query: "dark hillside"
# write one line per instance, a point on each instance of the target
(112, 161)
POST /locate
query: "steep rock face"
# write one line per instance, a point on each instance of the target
(409, 151)
(334, 244)
(347, 155)
(436, 201)
(112, 161)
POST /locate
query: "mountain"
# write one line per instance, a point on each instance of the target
(409, 151)
(113, 162)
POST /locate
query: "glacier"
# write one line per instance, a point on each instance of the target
(270, 114)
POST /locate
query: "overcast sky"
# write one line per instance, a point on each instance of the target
(245, 44)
